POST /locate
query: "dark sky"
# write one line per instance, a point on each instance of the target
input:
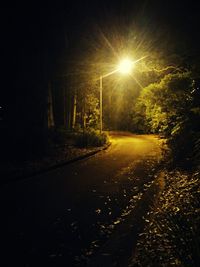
(28, 21)
(37, 26)
(29, 32)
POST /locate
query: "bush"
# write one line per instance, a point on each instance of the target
(91, 138)
(172, 110)
(59, 136)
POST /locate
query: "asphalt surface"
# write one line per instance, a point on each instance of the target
(62, 217)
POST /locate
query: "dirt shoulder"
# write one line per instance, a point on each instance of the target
(171, 233)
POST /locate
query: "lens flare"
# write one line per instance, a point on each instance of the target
(125, 66)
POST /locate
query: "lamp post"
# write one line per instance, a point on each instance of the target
(100, 103)
(125, 66)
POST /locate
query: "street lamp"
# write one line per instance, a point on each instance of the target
(124, 67)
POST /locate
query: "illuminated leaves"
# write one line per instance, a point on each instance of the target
(167, 101)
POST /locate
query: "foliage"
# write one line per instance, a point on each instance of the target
(91, 138)
(170, 109)
(92, 111)
(59, 136)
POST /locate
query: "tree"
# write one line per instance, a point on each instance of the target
(169, 108)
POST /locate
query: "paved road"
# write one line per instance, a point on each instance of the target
(49, 214)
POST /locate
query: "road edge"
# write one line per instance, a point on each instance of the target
(55, 166)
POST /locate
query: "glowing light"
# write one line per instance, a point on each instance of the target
(126, 66)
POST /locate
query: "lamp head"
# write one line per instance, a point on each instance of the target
(126, 66)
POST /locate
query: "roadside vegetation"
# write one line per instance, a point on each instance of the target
(91, 138)
(81, 138)
(171, 108)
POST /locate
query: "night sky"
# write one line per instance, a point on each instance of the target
(31, 28)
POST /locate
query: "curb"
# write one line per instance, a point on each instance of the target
(53, 167)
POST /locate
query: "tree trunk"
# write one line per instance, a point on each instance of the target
(74, 111)
(64, 107)
(50, 107)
